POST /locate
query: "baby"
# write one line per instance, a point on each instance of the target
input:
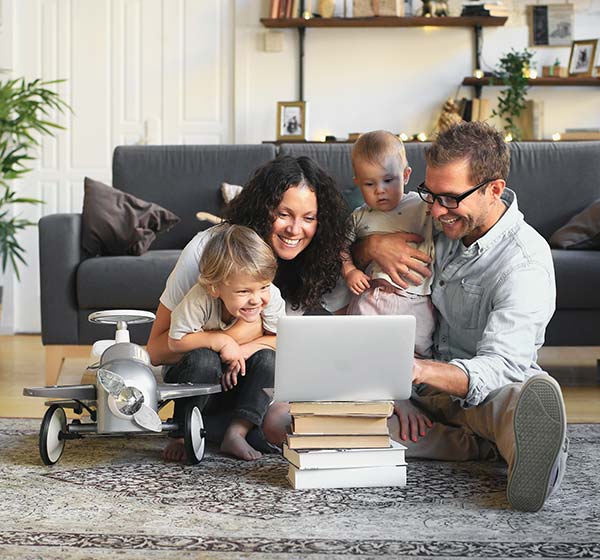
(381, 171)
(235, 284)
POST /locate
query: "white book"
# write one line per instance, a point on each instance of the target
(346, 458)
(362, 477)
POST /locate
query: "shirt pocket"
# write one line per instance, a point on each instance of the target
(468, 304)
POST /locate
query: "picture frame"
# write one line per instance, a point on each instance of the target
(551, 25)
(291, 120)
(583, 57)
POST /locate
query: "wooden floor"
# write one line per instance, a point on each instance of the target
(22, 365)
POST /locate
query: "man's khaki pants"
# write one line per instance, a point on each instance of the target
(464, 434)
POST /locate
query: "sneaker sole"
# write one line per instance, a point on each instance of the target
(540, 426)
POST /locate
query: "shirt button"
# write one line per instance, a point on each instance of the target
(442, 283)
(444, 339)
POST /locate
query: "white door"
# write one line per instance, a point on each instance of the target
(137, 71)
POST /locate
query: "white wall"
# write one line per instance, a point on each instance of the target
(194, 71)
(137, 71)
(396, 78)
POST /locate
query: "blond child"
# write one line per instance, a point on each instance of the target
(380, 172)
(235, 284)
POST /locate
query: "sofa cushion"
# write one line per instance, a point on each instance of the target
(117, 223)
(124, 282)
(576, 272)
(185, 179)
(582, 231)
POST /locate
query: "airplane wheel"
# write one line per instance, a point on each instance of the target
(194, 436)
(53, 425)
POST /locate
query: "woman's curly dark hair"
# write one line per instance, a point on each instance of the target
(315, 271)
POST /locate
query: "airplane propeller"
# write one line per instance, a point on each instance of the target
(128, 401)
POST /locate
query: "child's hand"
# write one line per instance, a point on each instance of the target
(231, 353)
(414, 423)
(357, 281)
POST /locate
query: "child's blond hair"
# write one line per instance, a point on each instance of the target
(374, 146)
(233, 250)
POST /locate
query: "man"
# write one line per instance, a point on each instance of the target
(494, 290)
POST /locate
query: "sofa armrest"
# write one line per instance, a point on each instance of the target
(60, 255)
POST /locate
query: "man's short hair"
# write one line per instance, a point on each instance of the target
(374, 146)
(481, 144)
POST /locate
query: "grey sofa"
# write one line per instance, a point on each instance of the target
(553, 182)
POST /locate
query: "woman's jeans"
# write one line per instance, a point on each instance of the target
(247, 400)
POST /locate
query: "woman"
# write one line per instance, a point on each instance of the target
(294, 206)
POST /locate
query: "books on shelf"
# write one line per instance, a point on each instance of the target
(360, 477)
(580, 135)
(482, 8)
(346, 458)
(355, 408)
(340, 425)
(280, 9)
(329, 441)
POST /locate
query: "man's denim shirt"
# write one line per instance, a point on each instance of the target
(494, 300)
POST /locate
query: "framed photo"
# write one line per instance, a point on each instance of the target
(551, 25)
(583, 55)
(291, 120)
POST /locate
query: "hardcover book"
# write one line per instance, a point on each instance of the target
(322, 408)
(337, 441)
(346, 458)
(363, 477)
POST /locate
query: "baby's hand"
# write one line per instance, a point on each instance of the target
(357, 281)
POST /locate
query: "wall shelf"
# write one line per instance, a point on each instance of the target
(301, 24)
(550, 81)
(386, 21)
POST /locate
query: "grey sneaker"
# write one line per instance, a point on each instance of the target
(540, 444)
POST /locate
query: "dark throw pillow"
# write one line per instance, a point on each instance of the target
(582, 231)
(118, 223)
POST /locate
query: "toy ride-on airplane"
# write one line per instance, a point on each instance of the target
(125, 399)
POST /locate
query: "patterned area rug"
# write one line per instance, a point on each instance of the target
(114, 496)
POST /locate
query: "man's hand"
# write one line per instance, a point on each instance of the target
(414, 423)
(357, 281)
(395, 256)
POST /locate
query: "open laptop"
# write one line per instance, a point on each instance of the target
(344, 358)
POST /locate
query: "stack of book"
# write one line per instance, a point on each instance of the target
(484, 8)
(343, 445)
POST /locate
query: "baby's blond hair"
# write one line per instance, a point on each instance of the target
(374, 146)
(233, 250)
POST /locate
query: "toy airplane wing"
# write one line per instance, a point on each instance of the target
(168, 391)
(79, 392)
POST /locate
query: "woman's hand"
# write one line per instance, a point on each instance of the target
(414, 423)
(357, 281)
(395, 256)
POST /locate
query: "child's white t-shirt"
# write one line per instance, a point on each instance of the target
(198, 312)
(185, 275)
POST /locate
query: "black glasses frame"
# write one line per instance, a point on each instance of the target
(447, 200)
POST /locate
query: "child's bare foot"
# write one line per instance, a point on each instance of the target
(175, 451)
(234, 441)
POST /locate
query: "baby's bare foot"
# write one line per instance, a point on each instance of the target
(235, 444)
(175, 451)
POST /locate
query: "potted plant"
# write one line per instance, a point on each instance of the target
(513, 71)
(25, 114)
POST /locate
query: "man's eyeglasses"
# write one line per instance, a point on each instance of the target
(447, 200)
